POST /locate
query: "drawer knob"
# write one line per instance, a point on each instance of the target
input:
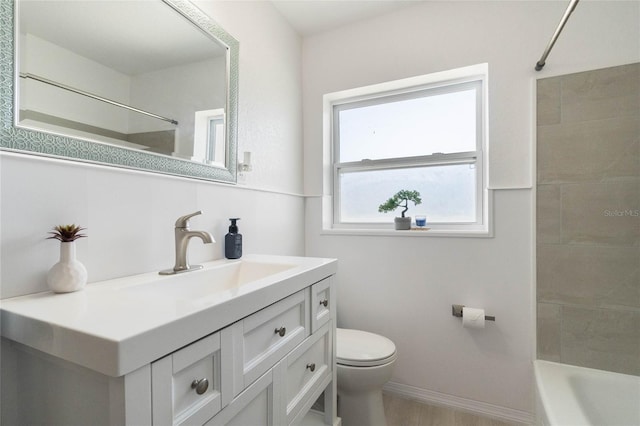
(311, 367)
(281, 331)
(200, 386)
(324, 302)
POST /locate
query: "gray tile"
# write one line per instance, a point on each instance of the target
(548, 217)
(589, 275)
(605, 93)
(548, 101)
(549, 331)
(603, 213)
(589, 151)
(601, 338)
(588, 255)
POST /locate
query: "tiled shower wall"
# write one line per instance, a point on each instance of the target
(588, 219)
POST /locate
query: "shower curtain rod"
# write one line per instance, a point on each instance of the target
(563, 21)
(91, 95)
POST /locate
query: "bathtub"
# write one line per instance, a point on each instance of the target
(573, 396)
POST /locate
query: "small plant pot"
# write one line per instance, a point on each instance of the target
(403, 223)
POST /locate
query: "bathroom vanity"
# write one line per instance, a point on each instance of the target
(246, 342)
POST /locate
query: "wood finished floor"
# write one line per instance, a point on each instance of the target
(405, 412)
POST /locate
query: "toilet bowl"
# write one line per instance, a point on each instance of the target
(364, 364)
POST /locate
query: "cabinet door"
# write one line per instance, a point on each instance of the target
(265, 337)
(323, 303)
(305, 373)
(186, 385)
(255, 406)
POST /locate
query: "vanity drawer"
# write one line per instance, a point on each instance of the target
(262, 339)
(306, 372)
(187, 385)
(322, 303)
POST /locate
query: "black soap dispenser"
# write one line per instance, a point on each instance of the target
(233, 241)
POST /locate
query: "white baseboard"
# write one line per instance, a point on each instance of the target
(462, 404)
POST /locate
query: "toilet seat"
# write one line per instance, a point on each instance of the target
(358, 348)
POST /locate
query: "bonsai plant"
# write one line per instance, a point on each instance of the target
(401, 199)
(68, 274)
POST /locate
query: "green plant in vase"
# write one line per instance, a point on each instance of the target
(401, 199)
(68, 274)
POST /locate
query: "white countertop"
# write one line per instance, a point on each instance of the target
(119, 325)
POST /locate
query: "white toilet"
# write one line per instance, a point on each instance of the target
(365, 363)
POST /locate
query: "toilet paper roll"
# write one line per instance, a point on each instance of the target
(472, 317)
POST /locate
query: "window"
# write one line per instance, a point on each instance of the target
(425, 133)
(209, 142)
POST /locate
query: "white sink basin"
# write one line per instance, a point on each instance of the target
(119, 325)
(207, 282)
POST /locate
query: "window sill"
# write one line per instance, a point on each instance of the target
(418, 233)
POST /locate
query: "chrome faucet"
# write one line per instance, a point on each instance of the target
(183, 235)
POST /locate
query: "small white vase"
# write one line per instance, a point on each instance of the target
(68, 274)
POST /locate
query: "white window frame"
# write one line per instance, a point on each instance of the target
(206, 145)
(438, 83)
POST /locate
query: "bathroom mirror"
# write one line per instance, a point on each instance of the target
(144, 84)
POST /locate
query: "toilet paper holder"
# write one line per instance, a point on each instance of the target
(456, 311)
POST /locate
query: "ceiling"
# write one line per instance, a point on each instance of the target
(310, 17)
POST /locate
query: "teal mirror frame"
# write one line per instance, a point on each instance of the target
(28, 141)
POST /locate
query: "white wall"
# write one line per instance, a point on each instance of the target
(404, 287)
(270, 113)
(130, 215)
(441, 35)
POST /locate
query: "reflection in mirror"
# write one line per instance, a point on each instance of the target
(129, 73)
(208, 138)
(155, 80)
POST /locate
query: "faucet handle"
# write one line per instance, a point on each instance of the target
(183, 221)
